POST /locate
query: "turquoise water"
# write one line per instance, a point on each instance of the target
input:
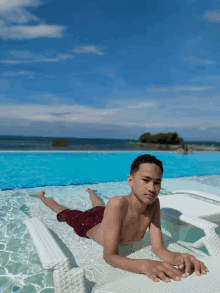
(64, 176)
(23, 170)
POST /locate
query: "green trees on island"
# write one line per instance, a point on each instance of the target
(60, 142)
(161, 138)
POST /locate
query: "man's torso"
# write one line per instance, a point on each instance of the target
(133, 227)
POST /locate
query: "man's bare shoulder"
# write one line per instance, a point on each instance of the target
(122, 199)
(121, 202)
(114, 210)
(151, 208)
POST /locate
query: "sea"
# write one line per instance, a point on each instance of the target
(35, 143)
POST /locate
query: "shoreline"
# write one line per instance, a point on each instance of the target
(174, 148)
(98, 151)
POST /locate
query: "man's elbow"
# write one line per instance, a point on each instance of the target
(158, 248)
(107, 257)
(110, 259)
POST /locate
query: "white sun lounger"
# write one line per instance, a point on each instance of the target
(192, 211)
(107, 279)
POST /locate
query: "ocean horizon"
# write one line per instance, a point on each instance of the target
(36, 143)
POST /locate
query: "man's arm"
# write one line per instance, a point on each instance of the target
(156, 238)
(166, 255)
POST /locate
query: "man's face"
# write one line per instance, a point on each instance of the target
(146, 182)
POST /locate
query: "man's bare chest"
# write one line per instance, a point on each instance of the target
(134, 228)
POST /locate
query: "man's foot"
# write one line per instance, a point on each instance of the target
(96, 201)
(40, 194)
(89, 190)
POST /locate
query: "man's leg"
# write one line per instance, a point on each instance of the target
(52, 204)
(96, 201)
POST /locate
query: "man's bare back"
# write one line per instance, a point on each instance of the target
(133, 226)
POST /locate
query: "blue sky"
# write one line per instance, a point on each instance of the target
(111, 69)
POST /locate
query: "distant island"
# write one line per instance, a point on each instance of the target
(168, 142)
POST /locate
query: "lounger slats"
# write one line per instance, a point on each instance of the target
(198, 223)
(209, 283)
(199, 193)
(177, 204)
(51, 256)
(211, 239)
(69, 282)
(53, 259)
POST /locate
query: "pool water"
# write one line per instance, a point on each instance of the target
(32, 169)
(64, 176)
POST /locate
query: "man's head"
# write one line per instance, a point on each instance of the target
(145, 159)
(145, 178)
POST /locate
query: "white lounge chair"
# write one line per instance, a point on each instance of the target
(57, 246)
(181, 206)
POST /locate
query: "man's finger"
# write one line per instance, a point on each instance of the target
(187, 265)
(197, 266)
(181, 264)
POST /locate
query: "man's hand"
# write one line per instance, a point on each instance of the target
(187, 261)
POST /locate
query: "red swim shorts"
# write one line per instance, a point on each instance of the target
(82, 221)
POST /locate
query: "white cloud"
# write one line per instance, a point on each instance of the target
(35, 58)
(17, 73)
(88, 49)
(39, 31)
(51, 59)
(14, 12)
(8, 5)
(21, 54)
(142, 105)
(203, 79)
(31, 32)
(19, 15)
(65, 56)
(194, 60)
(10, 61)
(168, 115)
(179, 89)
(57, 113)
(212, 16)
(205, 61)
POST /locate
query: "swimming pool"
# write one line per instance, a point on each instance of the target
(64, 176)
(32, 169)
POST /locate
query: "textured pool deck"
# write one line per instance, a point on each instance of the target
(202, 183)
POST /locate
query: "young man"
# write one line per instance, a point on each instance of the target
(125, 220)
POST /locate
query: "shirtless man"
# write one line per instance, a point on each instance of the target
(125, 220)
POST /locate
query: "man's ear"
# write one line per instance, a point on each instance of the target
(129, 180)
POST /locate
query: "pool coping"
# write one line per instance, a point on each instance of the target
(109, 151)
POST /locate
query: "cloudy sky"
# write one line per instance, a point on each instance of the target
(110, 69)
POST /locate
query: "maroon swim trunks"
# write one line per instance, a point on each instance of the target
(82, 221)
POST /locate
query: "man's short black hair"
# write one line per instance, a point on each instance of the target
(145, 159)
